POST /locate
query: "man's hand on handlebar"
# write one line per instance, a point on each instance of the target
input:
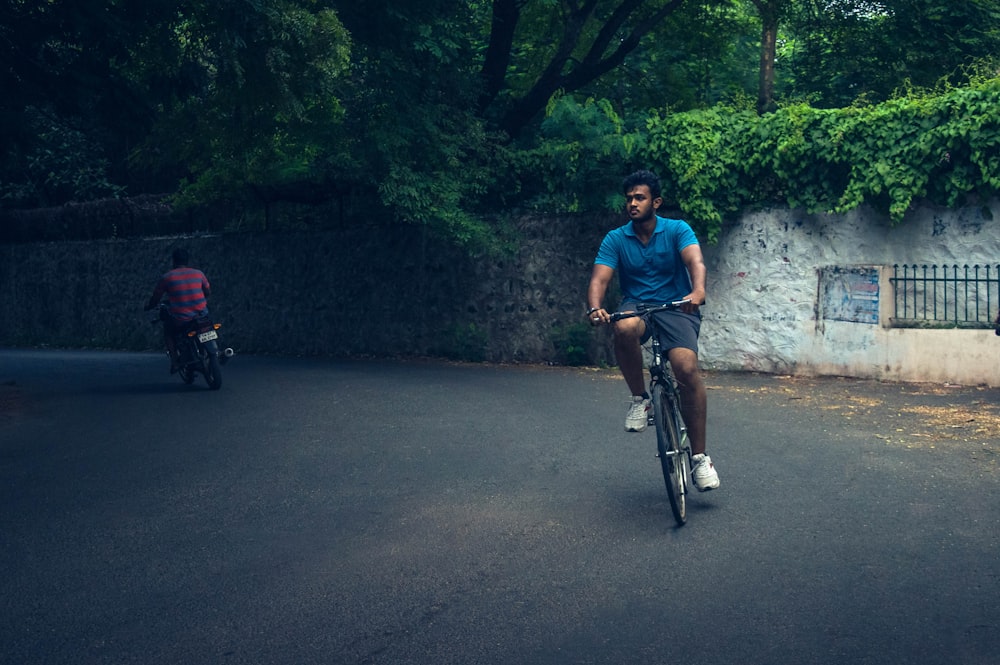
(597, 315)
(694, 300)
(690, 305)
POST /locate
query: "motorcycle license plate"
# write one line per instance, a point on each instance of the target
(208, 336)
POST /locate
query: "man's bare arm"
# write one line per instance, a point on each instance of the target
(695, 263)
(599, 280)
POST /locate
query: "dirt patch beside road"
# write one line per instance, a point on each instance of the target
(965, 418)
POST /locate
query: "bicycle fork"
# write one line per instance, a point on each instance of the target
(659, 373)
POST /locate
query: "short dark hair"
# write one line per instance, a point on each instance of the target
(642, 177)
(181, 257)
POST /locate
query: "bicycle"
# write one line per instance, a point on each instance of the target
(672, 444)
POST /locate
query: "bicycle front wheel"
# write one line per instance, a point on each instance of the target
(668, 448)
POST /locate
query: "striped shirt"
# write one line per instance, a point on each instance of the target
(186, 290)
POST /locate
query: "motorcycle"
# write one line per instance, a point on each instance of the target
(198, 348)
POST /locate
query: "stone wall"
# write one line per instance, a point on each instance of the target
(363, 291)
(399, 291)
(765, 278)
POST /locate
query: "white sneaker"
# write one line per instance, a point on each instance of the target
(703, 473)
(638, 414)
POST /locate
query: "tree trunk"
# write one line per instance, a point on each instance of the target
(617, 37)
(768, 52)
(506, 14)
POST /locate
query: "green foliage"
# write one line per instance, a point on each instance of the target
(698, 156)
(415, 195)
(578, 162)
(269, 114)
(430, 112)
(425, 157)
(60, 164)
(436, 172)
(941, 148)
(834, 53)
(699, 58)
(466, 343)
(572, 344)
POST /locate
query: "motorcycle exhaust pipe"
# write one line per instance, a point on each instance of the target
(227, 353)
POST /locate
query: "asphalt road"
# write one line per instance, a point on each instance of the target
(317, 511)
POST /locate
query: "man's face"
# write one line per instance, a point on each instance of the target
(640, 204)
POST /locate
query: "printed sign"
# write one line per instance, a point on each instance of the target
(849, 294)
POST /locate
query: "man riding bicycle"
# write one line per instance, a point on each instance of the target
(658, 260)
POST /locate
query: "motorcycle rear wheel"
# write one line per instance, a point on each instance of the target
(213, 372)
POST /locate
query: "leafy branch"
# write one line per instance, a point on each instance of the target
(716, 162)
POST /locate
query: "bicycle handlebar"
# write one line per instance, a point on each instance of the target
(641, 309)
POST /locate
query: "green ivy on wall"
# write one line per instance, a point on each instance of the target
(940, 148)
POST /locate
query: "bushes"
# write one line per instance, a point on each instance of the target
(717, 161)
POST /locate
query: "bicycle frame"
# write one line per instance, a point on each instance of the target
(660, 372)
(672, 444)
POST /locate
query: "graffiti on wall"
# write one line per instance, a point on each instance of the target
(849, 294)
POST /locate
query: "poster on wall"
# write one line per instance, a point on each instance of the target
(849, 294)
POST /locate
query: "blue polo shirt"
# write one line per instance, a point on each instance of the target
(652, 273)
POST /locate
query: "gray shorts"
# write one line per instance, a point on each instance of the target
(676, 328)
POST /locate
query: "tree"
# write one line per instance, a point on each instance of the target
(937, 38)
(221, 95)
(67, 112)
(838, 51)
(264, 116)
(439, 112)
(770, 11)
(594, 37)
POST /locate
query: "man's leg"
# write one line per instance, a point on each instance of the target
(694, 411)
(693, 396)
(170, 343)
(628, 353)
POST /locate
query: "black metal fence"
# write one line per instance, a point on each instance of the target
(947, 296)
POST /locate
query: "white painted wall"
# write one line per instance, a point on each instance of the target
(763, 295)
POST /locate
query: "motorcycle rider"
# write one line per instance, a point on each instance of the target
(187, 291)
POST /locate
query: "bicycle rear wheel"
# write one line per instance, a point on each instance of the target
(668, 448)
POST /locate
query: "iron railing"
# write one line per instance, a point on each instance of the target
(947, 296)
